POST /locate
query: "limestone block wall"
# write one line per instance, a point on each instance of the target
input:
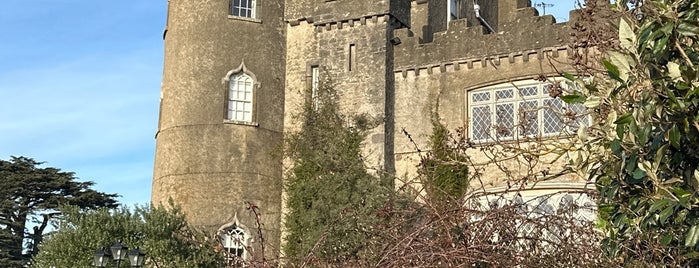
(356, 57)
(437, 76)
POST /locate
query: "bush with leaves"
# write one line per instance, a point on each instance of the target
(332, 199)
(643, 152)
(162, 234)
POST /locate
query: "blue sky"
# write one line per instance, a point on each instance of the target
(80, 83)
(79, 88)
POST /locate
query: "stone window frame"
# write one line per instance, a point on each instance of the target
(242, 70)
(553, 117)
(253, 11)
(232, 234)
(313, 76)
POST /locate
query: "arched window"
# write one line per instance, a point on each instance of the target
(240, 97)
(234, 241)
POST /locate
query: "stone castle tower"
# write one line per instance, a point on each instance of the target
(237, 71)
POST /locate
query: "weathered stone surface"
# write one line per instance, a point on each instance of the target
(406, 58)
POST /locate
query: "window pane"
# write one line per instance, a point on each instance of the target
(551, 116)
(528, 118)
(578, 114)
(481, 121)
(504, 94)
(529, 91)
(480, 96)
(505, 120)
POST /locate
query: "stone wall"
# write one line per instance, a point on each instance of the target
(205, 164)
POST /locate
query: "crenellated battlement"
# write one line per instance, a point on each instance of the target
(525, 35)
(485, 62)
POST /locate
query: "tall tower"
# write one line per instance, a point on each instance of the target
(221, 118)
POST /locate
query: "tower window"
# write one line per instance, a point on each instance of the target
(351, 57)
(240, 97)
(243, 8)
(315, 78)
(234, 241)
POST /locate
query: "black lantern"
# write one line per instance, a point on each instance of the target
(118, 252)
(136, 258)
(101, 258)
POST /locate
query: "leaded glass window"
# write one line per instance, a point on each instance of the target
(521, 109)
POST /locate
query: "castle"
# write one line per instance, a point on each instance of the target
(237, 71)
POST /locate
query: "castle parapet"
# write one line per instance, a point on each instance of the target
(525, 32)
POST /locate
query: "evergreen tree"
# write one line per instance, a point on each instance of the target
(27, 190)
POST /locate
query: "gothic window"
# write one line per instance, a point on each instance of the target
(240, 97)
(523, 109)
(243, 8)
(234, 241)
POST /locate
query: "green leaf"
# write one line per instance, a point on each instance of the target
(688, 29)
(615, 145)
(569, 76)
(624, 119)
(638, 174)
(675, 137)
(666, 213)
(612, 70)
(692, 236)
(658, 205)
(665, 241)
(573, 98)
(660, 45)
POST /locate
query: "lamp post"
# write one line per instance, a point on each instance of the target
(118, 252)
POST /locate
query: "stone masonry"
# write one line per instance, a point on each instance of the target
(391, 59)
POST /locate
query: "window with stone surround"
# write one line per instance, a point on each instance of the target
(240, 97)
(522, 109)
(242, 8)
(234, 241)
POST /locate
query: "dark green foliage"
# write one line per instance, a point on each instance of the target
(27, 190)
(332, 199)
(443, 171)
(648, 175)
(160, 233)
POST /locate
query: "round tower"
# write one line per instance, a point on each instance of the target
(221, 118)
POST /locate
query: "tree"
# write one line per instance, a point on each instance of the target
(28, 190)
(332, 199)
(643, 152)
(162, 234)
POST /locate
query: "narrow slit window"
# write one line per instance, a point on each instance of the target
(315, 78)
(352, 57)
